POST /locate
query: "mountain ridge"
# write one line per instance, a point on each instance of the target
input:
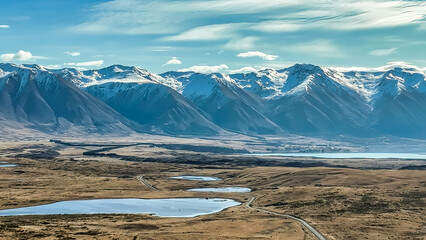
(303, 99)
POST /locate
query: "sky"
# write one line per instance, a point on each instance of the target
(212, 35)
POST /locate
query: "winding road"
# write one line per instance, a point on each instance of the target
(303, 222)
(248, 204)
(146, 183)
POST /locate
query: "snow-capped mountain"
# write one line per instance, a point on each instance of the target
(143, 97)
(308, 99)
(230, 106)
(303, 99)
(40, 99)
(114, 73)
(265, 83)
(399, 103)
(157, 106)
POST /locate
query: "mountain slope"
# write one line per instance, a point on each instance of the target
(307, 99)
(45, 101)
(143, 97)
(400, 103)
(230, 106)
(303, 99)
(314, 101)
(155, 105)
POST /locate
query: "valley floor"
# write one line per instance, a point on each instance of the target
(341, 203)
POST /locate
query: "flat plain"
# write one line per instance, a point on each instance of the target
(357, 200)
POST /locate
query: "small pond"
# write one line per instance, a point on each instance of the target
(197, 178)
(222, 189)
(5, 164)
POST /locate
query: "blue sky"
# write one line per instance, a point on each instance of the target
(212, 35)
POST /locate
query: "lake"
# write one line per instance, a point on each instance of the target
(197, 178)
(349, 155)
(8, 165)
(221, 189)
(167, 207)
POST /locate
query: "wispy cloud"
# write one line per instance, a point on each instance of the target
(259, 54)
(387, 67)
(160, 49)
(169, 17)
(277, 26)
(244, 43)
(206, 33)
(383, 52)
(74, 54)
(4, 26)
(173, 61)
(21, 55)
(205, 69)
(85, 64)
(243, 70)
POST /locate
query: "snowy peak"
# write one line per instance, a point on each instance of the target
(266, 82)
(303, 77)
(300, 79)
(197, 85)
(407, 78)
(397, 81)
(114, 73)
(42, 100)
(301, 99)
(296, 80)
(228, 104)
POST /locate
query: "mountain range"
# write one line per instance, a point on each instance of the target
(303, 100)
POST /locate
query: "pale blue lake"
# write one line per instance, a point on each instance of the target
(410, 156)
(5, 164)
(168, 207)
(197, 178)
(222, 189)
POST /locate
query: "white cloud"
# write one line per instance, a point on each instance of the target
(400, 64)
(383, 52)
(54, 66)
(21, 55)
(171, 17)
(262, 55)
(205, 69)
(4, 26)
(242, 43)
(243, 70)
(387, 67)
(346, 15)
(160, 49)
(85, 64)
(74, 54)
(277, 26)
(207, 33)
(173, 61)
